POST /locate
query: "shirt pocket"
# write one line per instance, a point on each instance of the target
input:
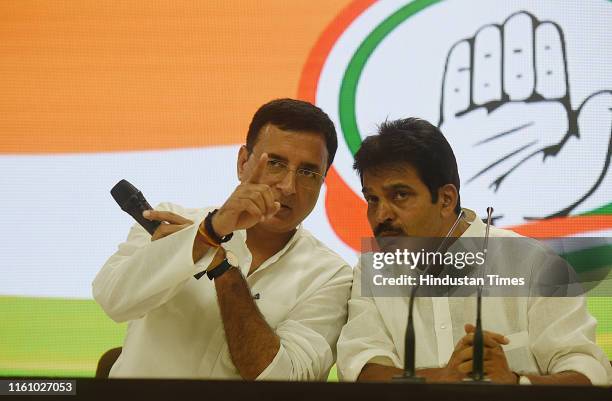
(518, 354)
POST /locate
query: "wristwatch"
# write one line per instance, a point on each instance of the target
(230, 261)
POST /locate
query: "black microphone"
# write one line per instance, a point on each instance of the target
(478, 356)
(131, 201)
(409, 375)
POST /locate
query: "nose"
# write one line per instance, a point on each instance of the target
(287, 184)
(383, 213)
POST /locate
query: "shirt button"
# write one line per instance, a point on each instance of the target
(443, 326)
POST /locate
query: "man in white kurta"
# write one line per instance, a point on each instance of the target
(411, 184)
(273, 299)
(175, 329)
(546, 335)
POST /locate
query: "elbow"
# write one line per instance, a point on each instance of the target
(249, 374)
(105, 299)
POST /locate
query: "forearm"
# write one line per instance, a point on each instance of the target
(571, 378)
(200, 247)
(376, 372)
(252, 343)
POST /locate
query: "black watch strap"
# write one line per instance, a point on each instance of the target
(219, 270)
(211, 231)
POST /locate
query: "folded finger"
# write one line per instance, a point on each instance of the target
(499, 338)
(465, 354)
(257, 198)
(270, 202)
(251, 208)
(487, 340)
(465, 367)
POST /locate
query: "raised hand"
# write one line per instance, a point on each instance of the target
(506, 110)
(250, 203)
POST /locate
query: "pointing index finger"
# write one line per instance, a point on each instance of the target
(257, 173)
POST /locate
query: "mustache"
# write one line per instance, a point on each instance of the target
(387, 227)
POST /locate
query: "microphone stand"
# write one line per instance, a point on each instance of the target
(409, 375)
(478, 375)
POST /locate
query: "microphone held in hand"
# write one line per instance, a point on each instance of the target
(131, 201)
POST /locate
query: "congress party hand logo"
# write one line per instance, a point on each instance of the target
(522, 90)
(506, 101)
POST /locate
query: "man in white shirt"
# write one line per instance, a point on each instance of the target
(276, 299)
(411, 185)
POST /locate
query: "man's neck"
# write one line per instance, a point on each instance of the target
(263, 244)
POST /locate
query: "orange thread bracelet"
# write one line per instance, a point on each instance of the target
(207, 238)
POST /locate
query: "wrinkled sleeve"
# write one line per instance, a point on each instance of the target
(365, 337)
(562, 337)
(309, 334)
(144, 274)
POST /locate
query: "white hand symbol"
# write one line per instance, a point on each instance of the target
(506, 112)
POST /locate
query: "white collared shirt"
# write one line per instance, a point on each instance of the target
(547, 335)
(175, 328)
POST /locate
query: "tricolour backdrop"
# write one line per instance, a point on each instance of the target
(162, 93)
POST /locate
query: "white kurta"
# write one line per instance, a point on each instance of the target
(547, 335)
(175, 328)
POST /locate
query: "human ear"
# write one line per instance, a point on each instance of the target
(448, 196)
(243, 158)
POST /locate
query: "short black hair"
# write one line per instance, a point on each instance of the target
(294, 115)
(416, 142)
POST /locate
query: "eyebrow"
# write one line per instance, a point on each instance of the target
(396, 186)
(305, 165)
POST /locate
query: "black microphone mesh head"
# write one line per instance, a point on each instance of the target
(122, 191)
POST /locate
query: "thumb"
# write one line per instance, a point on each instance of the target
(469, 328)
(595, 118)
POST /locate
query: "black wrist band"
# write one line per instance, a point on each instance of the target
(219, 270)
(211, 231)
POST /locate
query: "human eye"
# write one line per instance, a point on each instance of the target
(370, 199)
(400, 195)
(307, 173)
(275, 163)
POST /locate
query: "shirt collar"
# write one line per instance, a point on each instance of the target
(477, 227)
(237, 245)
